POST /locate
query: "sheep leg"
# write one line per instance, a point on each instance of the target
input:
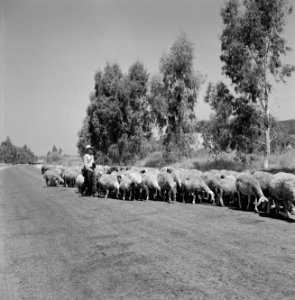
(194, 198)
(200, 198)
(269, 205)
(130, 195)
(249, 201)
(107, 194)
(169, 196)
(147, 193)
(221, 197)
(256, 204)
(239, 198)
(286, 213)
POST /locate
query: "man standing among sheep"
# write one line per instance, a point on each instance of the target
(89, 187)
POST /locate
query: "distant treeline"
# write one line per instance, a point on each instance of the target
(288, 126)
(12, 154)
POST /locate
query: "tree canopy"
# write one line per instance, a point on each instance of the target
(236, 124)
(12, 154)
(174, 95)
(117, 117)
(252, 45)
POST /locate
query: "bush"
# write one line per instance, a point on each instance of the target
(287, 160)
(12, 154)
(154, 160)
(54, 158)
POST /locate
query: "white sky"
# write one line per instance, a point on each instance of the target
(50, 50)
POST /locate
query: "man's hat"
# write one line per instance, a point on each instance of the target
(88, 147)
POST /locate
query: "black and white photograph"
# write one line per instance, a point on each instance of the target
(147, 149)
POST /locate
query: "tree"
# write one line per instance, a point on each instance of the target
(9, 153)
(174, 97)
(117, 121)
(221, 101)
(252, 46)
(236, 124)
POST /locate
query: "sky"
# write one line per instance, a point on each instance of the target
(50, 51)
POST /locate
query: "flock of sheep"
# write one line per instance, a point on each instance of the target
(221, 187)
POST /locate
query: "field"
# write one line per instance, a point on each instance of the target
(58, 245)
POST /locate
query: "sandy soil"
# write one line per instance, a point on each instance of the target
(55, 244)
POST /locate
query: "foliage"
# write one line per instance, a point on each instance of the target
(173, 97)
(12, 154)
(55, 156)
(237, 124)
(117, 123)
(252, 46)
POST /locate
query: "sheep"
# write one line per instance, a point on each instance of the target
(167, 185)
(213, 182)
(52, 178)
(282, 189)
(179, 175)
(149, 182)
(45, 167)
(193, 184)
(130, 182)
(146, 169)
(227, 189)
(109, 182)
(79, 183)
(60, 169)
(247, 184)
(264, 179)
(69, 176)
(112, 169)
(168, 169)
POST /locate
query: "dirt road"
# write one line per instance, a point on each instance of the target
(57, 245)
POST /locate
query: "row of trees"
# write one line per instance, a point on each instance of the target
(12, 154)
(125, 108)
(54, 156)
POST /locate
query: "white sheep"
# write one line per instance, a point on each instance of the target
(150, 183)
(213, 182)
(264, 179)
(130, 182)
(79, 182)
(227, 189)
(109, 182)
(52, 178)
(69, 176)
(194, 185)
(248, 185)
(282, 190)
(167, 185)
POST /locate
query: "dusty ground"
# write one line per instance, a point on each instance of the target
(57, 245)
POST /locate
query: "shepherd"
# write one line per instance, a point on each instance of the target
(89, 187)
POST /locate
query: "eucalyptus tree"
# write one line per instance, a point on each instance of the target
(174, 95)
(252, 46)
(116, 122)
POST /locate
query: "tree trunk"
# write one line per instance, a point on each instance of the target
(267, 137)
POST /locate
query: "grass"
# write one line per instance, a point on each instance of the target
(203, 160)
